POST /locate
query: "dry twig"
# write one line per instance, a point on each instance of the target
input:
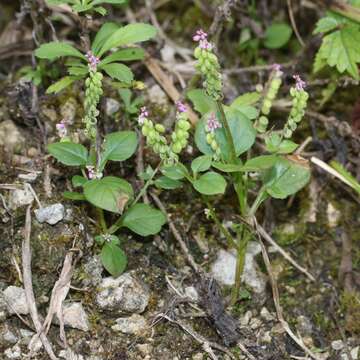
(29, 292)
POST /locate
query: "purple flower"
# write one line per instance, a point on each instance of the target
(61, 129)
(276, 67)
(212, 123)
(300, 84)
(91, 172)
(143, 115)
(204, 44)
(181, 107)
(200, 35)
(92, 59)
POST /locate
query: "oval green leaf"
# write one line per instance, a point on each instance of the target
(113, 258)
(210, 183)
(69, 153)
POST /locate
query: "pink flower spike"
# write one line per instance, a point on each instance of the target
(61, 129)
(200, 35)
(92, 60)
(300, 84)
(212, 123)
(143, 115)
(181, 107)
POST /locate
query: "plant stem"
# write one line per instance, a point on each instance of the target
(102, 221)
(117, 225)
(262, 195)
(226, 233)
(229, 137)
(240, 262)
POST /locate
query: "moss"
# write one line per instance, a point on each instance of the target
(350, 304)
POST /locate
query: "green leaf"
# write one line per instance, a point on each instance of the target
(119, 72)
(109, 193)
(102, 35)
(326, 24)
(129, 54)
(241, 129)
(286, 177)
(69, 153)
(99, 9)
(129, 34)
(210, 183)
(114, 2)
(249, 98)
(113, 258)
(201, 163)
(144, 220)
(78, 70)
(175, 172)
(202, 102)
(54, 50)
(277, 35)
(61, 84)
(78, 181)
(274, 144)
(246, 110)
(227, 168)
(118, 146)
(347, 175)
(260, 163)
(72, 195)
(166, 183)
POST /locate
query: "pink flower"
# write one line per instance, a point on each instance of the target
(143, 115)
(181, 107)
(300, 84)
(61, 129)
(212, 123)
(91, 172)
(200, 35)
(92, 59)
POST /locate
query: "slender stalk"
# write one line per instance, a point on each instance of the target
(240, 262)
(262, 195)
(102, 221)
(117, 225)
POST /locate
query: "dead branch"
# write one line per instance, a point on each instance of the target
(27, 276)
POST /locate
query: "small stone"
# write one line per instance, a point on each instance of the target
(51, 214)
(50, 114)
(135, 325)
(337, 345)
(265, 314)
(246, 318)
(13, 353)
(29, 177)
(255, 323)
(157, 95)
(33, 152)
(277, 329)
(198, 356)
(16, 300)
(168, 54)
(124, 294)
(112, 106)
(191, 293)
(20, 197)
(8, 336)
(333, 215)
(75, 317)
(93, 269)
(266, 338)
(304, 326)
(144, 349)
(25, 333)
(354, 354)
(70, 355)
(68, 111)
(10, 137)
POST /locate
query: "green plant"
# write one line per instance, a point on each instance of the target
(341, 34)
(225, 135)
(80, 6)
(108, 193)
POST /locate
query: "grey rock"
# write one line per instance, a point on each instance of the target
(16, 300)
(75, 317)
(304, 326)
(354, 354)
(10, 137)
(265, 314)
(3, 307)
(68, 354)
(50, 214)
(20, 197)
(13, 352)
(157, 95)
(135, 324)
(223, 269)
(191, 293)
(93, 269)
(244, 320)
(337, 345)
(112, 106)
(8, 336)
(124, 294)
(68, 111)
